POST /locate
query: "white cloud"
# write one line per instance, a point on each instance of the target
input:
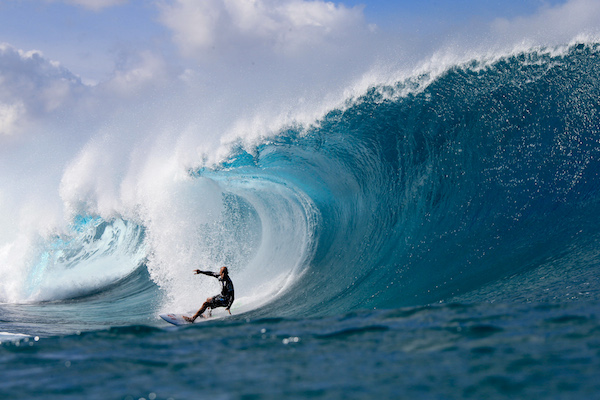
(142, 70)
(282, 26)
(553, 25)
(193, 23)
(30, 87)
(10, 115)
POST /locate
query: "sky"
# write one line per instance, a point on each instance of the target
(93, 38)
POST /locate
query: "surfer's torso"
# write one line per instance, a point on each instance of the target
(226, 286)
(225, 299)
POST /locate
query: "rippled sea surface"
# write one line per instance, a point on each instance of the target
(445, 351)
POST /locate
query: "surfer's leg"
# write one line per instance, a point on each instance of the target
(199, 312)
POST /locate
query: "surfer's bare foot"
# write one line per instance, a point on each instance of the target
(188, 319)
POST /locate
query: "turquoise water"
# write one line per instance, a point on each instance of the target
(436, 238)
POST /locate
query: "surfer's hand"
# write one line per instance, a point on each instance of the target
(197, 271)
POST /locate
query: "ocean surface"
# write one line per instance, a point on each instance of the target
(434, 238)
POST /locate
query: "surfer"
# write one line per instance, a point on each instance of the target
(225, 299)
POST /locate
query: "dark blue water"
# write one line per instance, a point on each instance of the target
(437, 238)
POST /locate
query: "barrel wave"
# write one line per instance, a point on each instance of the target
(437, 186)
(412, 193)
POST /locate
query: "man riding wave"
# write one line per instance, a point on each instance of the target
(224, 299)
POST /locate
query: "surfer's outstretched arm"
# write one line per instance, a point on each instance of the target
(209, 273)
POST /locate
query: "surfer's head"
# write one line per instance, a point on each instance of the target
(224, 271)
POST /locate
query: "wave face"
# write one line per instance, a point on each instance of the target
(413, 193)
(437, 186)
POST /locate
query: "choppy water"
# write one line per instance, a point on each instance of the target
(438, 352)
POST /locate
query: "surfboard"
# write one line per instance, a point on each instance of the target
(175, 319)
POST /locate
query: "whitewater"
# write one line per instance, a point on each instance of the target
(434, 235)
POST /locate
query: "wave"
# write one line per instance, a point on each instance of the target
(412, 193)
(437, 186)
(94, 255)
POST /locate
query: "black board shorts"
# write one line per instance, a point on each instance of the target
(218, 301)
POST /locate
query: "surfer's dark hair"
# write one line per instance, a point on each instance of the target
(224, 269)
